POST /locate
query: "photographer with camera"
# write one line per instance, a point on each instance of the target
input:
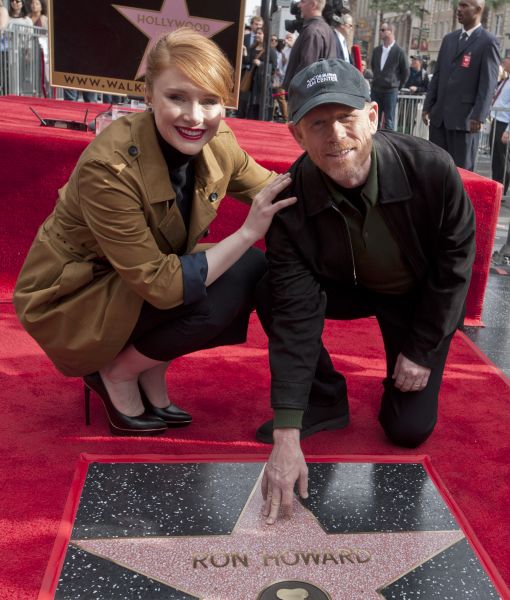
(316, 39)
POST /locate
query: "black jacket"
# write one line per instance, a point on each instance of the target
(419, 79)
(424, 204)
(395, 72)
(315, 41)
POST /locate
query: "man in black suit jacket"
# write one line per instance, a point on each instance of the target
(460, 93)
(391, 70)
(256, 22)
(343, 26)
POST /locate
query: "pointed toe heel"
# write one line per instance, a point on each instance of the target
(120, 424)
(172, 414)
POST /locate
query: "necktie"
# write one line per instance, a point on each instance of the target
(462, 41)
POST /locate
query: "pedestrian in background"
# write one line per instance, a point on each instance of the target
(391, 70)
(418, 80)
(460, 92)
(257, 57)
(279, 101)
(256, 22)
(500, 114)
(315, 41)
(343, 28)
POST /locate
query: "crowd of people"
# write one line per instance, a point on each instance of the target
(23, 41)
(326, 38)
(19, 12)
(459, 93)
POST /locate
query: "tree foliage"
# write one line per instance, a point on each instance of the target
(398, 6)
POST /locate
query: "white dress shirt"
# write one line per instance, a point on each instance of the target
(384, 54)
(343, 45)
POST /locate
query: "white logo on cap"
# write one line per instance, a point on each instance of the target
(321, 78)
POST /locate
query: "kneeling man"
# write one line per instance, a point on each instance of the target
(382, 226)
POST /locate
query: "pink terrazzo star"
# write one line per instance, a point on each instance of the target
(255, 555)
(173, 15)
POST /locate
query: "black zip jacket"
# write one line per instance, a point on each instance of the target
(427, 210)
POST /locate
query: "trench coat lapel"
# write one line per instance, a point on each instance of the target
(159, 187)
(156, 180)
(152, 163)
(206, 197)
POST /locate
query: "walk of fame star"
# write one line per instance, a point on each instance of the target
(174, 530)
(173, 15)
(254, 555)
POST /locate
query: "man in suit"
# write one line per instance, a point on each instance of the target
(256, 22)
(315, 41)
(343, 27)
(391, 70)
(460, 93)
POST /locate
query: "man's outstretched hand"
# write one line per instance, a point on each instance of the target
(285, 466)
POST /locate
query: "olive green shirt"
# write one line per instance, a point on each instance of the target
(378, 261)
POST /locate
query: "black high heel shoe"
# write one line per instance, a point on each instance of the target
(120, 424)
(172, 414)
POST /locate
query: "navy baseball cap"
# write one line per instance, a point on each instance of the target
(324, 82)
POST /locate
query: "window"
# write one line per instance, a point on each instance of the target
(498, 24)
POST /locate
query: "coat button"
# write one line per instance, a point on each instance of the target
(213, 197)
(132, 150)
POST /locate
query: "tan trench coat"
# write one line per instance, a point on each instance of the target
(114, 239)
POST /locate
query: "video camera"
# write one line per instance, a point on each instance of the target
(293, 25)
(333, 8)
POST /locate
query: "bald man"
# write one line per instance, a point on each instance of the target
(460, 93)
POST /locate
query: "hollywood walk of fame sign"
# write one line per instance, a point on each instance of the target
(102, 46)
(194, 531)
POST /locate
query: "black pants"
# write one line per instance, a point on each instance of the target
(462, 146)
(500, 166)
(408, 418)
(219, 319)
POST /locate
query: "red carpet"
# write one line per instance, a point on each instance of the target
(43, 433)
(42, 426)
(35, 161)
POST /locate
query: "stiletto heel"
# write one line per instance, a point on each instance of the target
(171, 414)
(86, 393)
(121, 424)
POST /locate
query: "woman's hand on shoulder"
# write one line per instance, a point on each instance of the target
(263, 208)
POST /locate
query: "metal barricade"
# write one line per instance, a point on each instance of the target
(408, 119)
(23, 61)
(408, 115)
